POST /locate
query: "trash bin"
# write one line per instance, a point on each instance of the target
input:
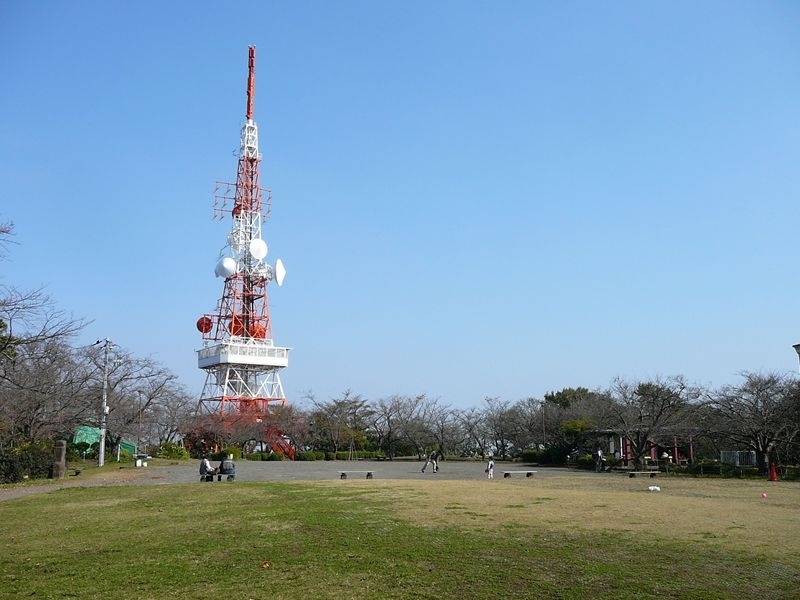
(141, 460)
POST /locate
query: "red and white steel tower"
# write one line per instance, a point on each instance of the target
(239, 356)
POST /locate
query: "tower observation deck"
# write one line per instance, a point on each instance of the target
(239, 356)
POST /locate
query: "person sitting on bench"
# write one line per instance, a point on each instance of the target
(227, 467)
(206, 470)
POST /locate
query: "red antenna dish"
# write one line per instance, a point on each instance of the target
(236, 327)
(257, 331)
(204, 324)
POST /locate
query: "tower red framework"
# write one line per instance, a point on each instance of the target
(239, 356)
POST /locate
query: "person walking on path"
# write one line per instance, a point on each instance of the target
(433, 459)
(490, 468)
(598, 460)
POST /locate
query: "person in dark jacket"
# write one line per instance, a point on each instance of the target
(227, 467)
(433, 459)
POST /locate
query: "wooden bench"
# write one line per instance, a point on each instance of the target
(635, 473)
(510, 473)
(343, 474)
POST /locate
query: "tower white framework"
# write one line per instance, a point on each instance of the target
(239, 356)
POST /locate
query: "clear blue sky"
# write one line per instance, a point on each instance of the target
(472, 198)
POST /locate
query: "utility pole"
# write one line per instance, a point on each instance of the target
(101, 455)
(139, 432)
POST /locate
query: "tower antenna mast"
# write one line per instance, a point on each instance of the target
(251, 82)
(239, 356)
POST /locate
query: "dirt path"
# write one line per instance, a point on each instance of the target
(187, 472)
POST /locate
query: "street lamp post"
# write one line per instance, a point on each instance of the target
(797, 349)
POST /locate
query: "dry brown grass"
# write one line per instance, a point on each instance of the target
(725, 512)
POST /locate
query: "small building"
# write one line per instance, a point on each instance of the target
(617, 445)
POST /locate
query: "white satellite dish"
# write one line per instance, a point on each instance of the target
(225, 267)
(258, 248)
(280, 272)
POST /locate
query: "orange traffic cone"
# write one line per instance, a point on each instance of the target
(773, 473)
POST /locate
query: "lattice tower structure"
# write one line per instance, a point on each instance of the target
(241, 361)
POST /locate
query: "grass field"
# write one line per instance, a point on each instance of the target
(521, 538)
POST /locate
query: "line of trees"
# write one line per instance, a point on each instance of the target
(761, 414)
(49, 386)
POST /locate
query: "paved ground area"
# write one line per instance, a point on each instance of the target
(316, 470)
(186, 472)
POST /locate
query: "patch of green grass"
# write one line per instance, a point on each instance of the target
(317, 541)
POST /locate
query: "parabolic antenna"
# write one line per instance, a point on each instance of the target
(236, 327)
(258, 248)
(257, 331)
(280, 272)
(204, 324)
(226, 267)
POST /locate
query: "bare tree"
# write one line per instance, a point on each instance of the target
(6, 233)
(500, 422)
(413, 420)
(473, 421)
(145, 401)
(445, 429)
(341, 422)
(385, 424)
(647, 411)
(759, 414)
(526, 424)
(43, 384)
(48, 388)
(166, 414)
(46, 391)
(30, 319)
